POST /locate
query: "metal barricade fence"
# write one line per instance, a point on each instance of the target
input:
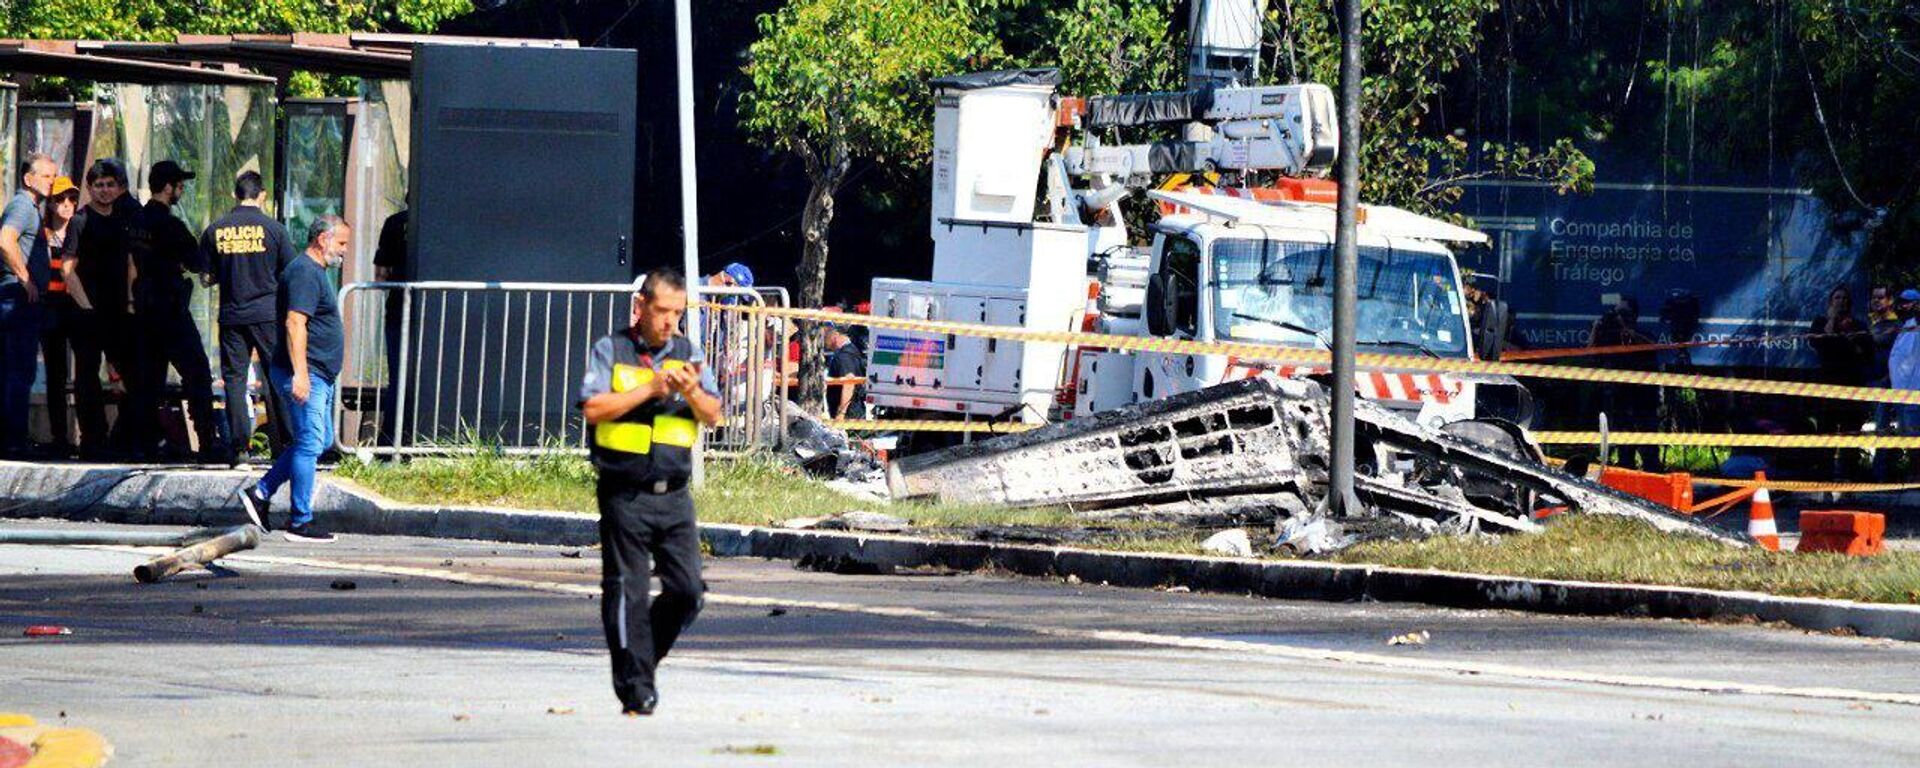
(455, 367)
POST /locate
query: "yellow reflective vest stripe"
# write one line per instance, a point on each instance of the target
(632, 437)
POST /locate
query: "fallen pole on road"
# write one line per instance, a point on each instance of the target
(121, 538)
(236, 539)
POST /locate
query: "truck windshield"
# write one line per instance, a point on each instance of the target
(1282, 292)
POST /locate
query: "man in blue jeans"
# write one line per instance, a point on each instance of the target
(21, 283)
(304, 369)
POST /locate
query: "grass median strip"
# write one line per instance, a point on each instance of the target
(743, 491)
(765, 492)
(1616, 550)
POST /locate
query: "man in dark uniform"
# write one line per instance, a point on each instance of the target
(101, 262)
(390, 266)
(646, 394)
(164, 252)
(245, 251)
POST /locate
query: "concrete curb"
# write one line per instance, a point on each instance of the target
(198, 497)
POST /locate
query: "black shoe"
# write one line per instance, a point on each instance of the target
(308, 533)
(256, 505)
(644, 708)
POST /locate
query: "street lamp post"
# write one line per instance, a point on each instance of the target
(1340, 496)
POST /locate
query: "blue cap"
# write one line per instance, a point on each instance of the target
(739, 273)
(1910, 294)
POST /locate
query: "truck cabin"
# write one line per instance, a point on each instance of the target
(1274, 285)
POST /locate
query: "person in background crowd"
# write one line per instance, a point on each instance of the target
(1845, 351)
(20, 288)
(1883, 327)
(104, 268)
(57, 334)
(165, 252)
(1629, 408)
(390, 254)
(1903, 372)
(846, 359)
(1841, 340)
(733, 275)
(305, 367)
(390, 265)
(245, 251)
(716, 325)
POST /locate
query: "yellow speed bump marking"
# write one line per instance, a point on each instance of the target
(1370, 361)
(55, 747)
(70, 748)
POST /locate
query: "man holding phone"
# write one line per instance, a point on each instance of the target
(646, 395)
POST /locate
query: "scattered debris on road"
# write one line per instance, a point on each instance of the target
(199, 553)
(856, 520)
(559, 710)
(842, 565)
(752, 749)
(1411, 638)
(343, 585)
(1233, 542)
(46, 630)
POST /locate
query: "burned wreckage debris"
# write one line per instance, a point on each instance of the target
(1255, 450)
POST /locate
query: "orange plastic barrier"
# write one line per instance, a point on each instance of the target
(1851, 533)
(1673, 489)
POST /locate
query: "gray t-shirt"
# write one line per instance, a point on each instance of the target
(23, 215)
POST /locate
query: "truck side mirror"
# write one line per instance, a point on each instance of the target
(1492, 337)
(1158, 306)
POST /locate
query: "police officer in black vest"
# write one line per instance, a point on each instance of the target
(645, 396)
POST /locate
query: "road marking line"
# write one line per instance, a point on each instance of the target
(1295, 653)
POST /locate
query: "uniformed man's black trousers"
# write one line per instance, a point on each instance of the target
(639, 528)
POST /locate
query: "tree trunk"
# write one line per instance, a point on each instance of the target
(813, 283)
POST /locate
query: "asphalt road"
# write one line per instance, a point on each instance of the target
(462, 653)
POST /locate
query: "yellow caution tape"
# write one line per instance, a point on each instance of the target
(1730, 440)
(1365, 361)
(1808, 486)
(907, 425)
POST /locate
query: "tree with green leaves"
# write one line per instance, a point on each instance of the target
(162, 20)
(833, 81)
(1116, 46)
(1409, 48)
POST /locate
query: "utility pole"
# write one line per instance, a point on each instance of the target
(689, 198)
(1340, 496)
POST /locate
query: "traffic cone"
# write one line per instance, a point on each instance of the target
(1760, 525)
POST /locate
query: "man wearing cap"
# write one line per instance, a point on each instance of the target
(61, 334)
(164, 253)
(646, 393)
(734, 275)
(20, 300)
